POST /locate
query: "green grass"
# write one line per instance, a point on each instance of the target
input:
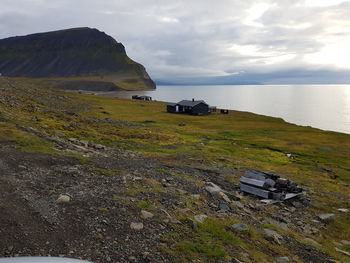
(143, 205)
(105, 172)
(163, 171)
(243, 140)
(210, 241)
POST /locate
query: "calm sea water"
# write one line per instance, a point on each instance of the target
(321, 106)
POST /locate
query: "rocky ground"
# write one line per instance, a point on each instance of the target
(119, 207)
(116, 205)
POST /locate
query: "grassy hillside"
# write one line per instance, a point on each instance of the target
(221, 148)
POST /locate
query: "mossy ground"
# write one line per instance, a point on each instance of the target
(239, 140)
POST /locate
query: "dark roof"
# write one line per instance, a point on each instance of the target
(171, 104)
(191, 103)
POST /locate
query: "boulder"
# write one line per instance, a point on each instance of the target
(63, 199)
(136, 226)
(236, 204)
(313, 242)
(272, 236)
(282, 260)
(196, 196)
(213, 188)
(239, 227)
(326, 218)
(200, 218)
(343, 210)
(224, 207)
(192, 223)
(223, 196)
(146, 215)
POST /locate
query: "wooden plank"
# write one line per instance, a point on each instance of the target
(252, 182)
(255, 191)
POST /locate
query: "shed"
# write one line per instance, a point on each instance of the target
(212, 108)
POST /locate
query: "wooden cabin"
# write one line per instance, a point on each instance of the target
(193, 107)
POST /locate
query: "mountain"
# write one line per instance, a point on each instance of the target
(77, 55)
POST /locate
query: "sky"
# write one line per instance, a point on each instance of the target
(269, 41)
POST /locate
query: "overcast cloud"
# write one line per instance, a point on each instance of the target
(179, 39)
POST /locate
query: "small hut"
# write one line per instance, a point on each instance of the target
(193, 107)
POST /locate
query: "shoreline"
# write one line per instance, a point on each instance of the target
(126, 94)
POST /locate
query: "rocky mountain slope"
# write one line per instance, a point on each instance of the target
(73, 53)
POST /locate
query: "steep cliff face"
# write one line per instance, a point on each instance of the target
(72, 53)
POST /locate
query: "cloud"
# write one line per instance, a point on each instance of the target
(176, 39)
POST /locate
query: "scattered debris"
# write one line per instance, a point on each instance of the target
(269, 186)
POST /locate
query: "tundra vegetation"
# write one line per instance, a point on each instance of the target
(217, 148)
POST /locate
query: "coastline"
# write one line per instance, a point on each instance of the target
(320, 114)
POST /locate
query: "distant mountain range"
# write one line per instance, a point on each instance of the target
(206, 81)
(77, 56)
(280, 77)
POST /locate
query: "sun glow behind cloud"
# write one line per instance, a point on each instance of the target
(334, 53)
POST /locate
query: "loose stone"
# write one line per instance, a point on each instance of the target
(136, 226)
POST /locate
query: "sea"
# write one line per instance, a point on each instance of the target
(326, 107)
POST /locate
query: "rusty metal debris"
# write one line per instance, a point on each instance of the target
(269, 186)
